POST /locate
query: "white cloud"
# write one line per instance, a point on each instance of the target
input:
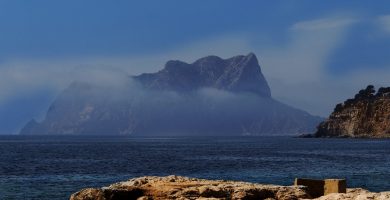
(324, 23)
(21, 80)
(384, 22)
(297, 71)
(24, 77)
(294, 70)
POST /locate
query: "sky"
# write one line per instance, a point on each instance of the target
(314, 54)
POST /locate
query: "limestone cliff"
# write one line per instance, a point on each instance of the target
(366, 115)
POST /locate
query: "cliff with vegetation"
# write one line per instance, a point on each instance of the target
(367, 115)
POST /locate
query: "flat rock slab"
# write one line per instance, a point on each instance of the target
(183, 188)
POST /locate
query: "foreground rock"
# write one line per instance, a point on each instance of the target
(356, 194)
(367, 115)
(176, 187)
(184, 188)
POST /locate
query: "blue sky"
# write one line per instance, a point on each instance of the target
(314, 54)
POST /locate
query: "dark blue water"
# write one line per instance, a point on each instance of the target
(54, 167)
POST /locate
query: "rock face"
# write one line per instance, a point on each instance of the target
(236, 74)
(176, 187)
(367, 115)
(184, 188)
(211, 96)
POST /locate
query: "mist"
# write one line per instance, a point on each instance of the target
(118, 104)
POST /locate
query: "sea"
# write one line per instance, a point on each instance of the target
(54, 167)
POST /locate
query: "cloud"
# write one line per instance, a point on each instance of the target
(25, 79)
(384, 22)
(296, 70)
(324, 23)
(22, 77)
(204, 111)
(18, 81)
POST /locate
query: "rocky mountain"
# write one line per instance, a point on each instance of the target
(211, 96)
(236, 74)
(366, 115)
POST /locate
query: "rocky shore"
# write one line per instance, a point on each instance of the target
(184, 188)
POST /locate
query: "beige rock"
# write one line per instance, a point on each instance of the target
(335, 186)
(177, 187)
(356, 194)
(183, 188)
(88, 194)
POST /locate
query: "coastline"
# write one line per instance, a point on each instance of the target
(344, 137)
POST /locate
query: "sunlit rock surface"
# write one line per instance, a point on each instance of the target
(176, 187)
(367, 115)
(357, 194)
(184, 188)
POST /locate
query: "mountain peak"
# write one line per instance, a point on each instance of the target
(237, 74)
(171, 64)
(244, 74)
(251, 57)
(251, 54)
(210, 58)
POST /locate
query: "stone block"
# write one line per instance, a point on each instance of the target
(335, 186)
(315, 188)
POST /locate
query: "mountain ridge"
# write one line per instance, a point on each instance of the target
(239, 73)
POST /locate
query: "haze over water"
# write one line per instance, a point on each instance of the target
(53, 167)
